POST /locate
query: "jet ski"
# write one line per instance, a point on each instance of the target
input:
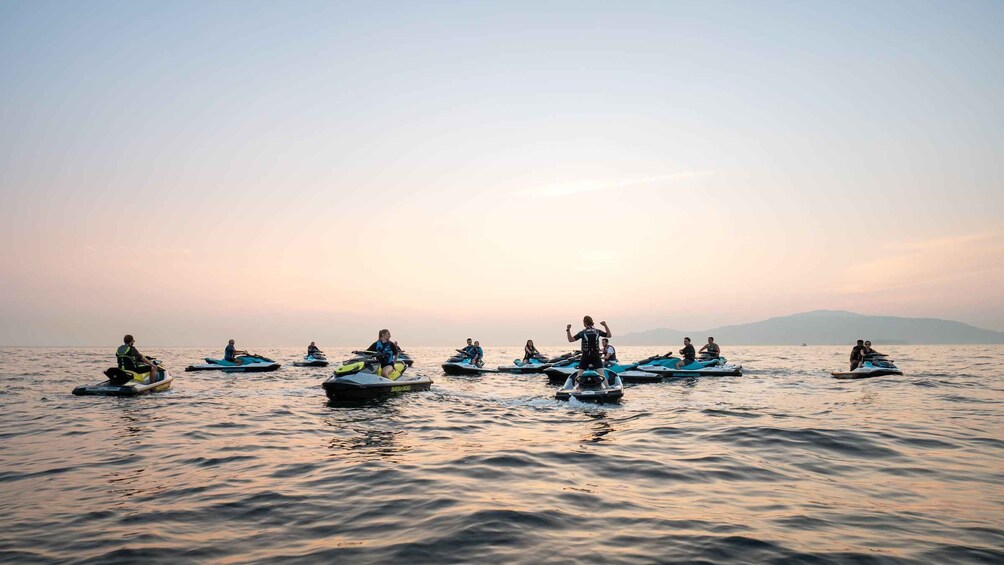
(359, 379)
(315, 360)
(534, 365)
(249, 363)
(705, 366)
(460, 364)
(872, 366)
(590, 388)
(122, 382)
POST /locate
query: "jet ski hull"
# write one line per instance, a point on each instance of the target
(132, 388)
(867, 374)
(465, 369)
(372, 386)
(526, 369)
(612, 393)
(636, 376)
(311, 362)
(670, 372)
(245, 368)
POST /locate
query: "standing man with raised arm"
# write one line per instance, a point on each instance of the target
(591, 355)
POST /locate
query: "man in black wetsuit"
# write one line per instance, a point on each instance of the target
(591, 355)
(856, 354)
(687, 353)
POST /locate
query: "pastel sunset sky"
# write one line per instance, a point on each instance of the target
(285, 171)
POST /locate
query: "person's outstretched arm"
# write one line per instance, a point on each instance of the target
(705, 346)
(606, 328)
(568, 332)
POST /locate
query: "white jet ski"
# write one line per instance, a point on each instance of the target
(590, 388)
(122, 382)
(871, 366)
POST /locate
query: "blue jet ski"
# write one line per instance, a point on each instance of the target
(249, 363)
(872, 366)
(460, 364)
(705, 366)
(590, 388)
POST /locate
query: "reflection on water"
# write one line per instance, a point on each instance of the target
(785, 463)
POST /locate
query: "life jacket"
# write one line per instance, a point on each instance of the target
(590, 341)
(385, 351)
(124, 356)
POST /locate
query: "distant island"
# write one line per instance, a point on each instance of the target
(827, 327)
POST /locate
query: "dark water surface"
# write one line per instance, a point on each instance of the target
(784, 463)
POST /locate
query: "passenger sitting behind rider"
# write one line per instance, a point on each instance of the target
(386, 352)
(712, 348)
(479, 355)
(609, 353)
(590, 337)
(687, 353)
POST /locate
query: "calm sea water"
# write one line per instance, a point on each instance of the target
(782, 464)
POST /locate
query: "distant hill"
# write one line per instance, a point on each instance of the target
(827, 327)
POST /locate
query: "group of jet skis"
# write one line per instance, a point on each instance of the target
(592, 374)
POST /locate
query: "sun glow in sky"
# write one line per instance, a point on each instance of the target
(286, 171)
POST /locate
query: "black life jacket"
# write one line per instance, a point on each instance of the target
(124, 356)
(590, 340)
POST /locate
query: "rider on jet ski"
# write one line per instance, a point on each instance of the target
(230, 354)
(609, 353)
(530, 352)
(712, 348)
(687, 353)
(386, 352)
(130, 359)
(590, 337)
(313, 350)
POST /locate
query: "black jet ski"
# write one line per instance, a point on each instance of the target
(359, 379)
(315, 360)
(460, 364)
(872, 366)
(590, 388)
(122, 382)
(249, 363)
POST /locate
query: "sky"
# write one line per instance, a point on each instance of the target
(280, 172)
